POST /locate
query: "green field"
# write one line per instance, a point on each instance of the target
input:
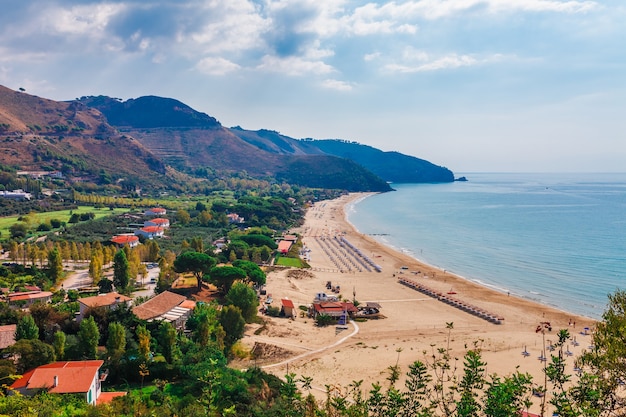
(62, 215)
(293, 262)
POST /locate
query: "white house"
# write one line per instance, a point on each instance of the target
(70, 377)
(150, 232)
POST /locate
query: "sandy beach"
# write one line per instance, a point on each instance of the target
(413, 322)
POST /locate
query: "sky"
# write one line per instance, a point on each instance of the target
(472, 85)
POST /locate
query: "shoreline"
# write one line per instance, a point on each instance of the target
(493, 287)
(413, 324)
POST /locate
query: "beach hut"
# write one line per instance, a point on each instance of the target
(288, 309)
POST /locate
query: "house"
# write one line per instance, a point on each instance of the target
(159, 221)
(168, 306)
(288, 309)
(125, 239)
(284, 246)
(16, 195)
(27, 298)
(291, 238)
(107, 301)
(333, 308)
(150, 232)
(156, 211)
(69, 377)
(235, 218)
(7, 335)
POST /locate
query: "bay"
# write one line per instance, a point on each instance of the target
(557, 239)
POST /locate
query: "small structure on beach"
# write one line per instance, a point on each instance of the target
(332, 308)
(287, 309)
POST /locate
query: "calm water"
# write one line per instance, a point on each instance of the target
(559, 239)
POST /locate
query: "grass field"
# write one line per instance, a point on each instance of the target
(293, 262)
(62, 215)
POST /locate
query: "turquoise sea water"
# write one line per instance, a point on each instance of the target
(558, 239)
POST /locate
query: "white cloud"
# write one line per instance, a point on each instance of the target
(216, 66)
(426, 64)
(89, 20)
(371, 57)
(337, 85)
(294, 65)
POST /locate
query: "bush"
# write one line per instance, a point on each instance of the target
(323, 320)
(273, 311)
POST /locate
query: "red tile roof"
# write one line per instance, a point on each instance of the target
(157, 210)
(284, 246)
(72, 376)
(124, 239)
(287, 303)
(159, 220)
(104, 300)
(30, 295)
(334, 307)
(158, 305)
(107, 397)
(152, 229)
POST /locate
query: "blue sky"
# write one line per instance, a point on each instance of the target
(474, 85)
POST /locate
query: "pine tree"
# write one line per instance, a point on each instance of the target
(26, 328)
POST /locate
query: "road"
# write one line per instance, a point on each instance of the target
(80, 278)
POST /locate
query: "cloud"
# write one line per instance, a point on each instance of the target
(427, 64)
(216, 66)
(294, 66)
(337, 85)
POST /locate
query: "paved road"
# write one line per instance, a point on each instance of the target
(80, 278)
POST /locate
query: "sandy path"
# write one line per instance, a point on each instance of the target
(413, 323)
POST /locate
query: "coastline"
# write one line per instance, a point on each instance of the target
(413, 323)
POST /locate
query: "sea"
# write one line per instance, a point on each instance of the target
(556, 239)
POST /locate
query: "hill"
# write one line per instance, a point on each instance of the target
(390, 166)
(41, 134)
(189, 140)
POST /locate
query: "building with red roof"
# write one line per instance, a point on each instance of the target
(150, 232)
(26, 298)
(70, 377)
(284, 246)
(156, 211)
(159, 221)
(333, 308)
(288, 309)
(167, 306)
(125, 239)
(106, 301)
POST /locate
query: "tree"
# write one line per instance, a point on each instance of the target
(253, 272)
(116, 342)
(89, 335)
(233, 324)
(242, 296)
(224, 276)
(121, 271)
(205, 327)
(605, 362)
(167, 340)
(26, 328)
(105, 286)
(18, 230)
(143, 337)
(59, 344)
(31, 353)
(55, 265)
(183, 217)
(196, 262)
(95, 267)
